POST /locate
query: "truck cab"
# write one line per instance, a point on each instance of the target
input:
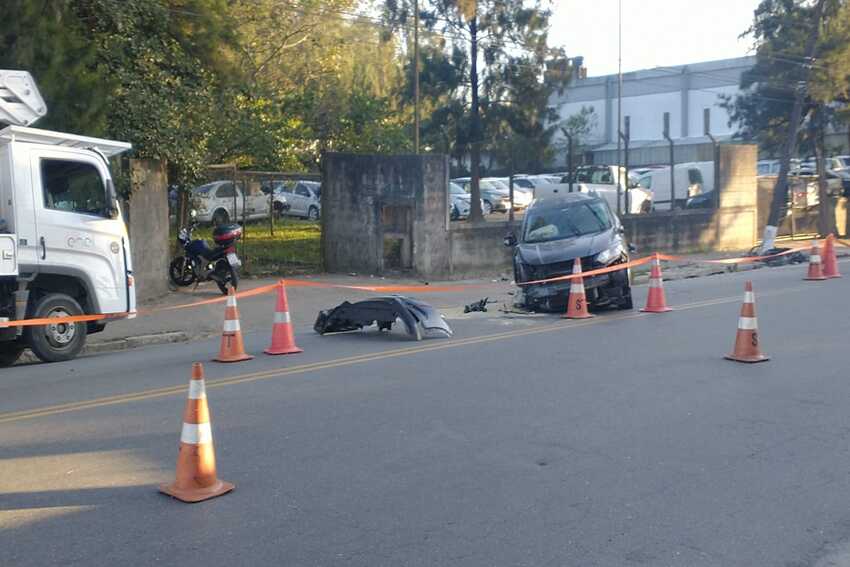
(64, 247)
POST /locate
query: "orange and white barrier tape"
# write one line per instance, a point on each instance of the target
(399, 288)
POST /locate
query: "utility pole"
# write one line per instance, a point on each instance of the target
(475, 214)
(779, 204)
(416, 74)
(619, 98)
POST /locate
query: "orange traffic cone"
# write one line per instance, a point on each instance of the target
(656, 302)
(196, 477)
(232, 347)
(830, 260)
(283, 339)
(577, 301)
(815, 268)
(747, 339)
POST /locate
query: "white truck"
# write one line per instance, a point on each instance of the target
(600, 180)
(64, 248)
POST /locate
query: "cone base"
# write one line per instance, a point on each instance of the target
(748, 359)
(197, 494)
(275, 351)
(833, 276)
(236, 358)
(587, 316)
(655, 310)
(821, 278)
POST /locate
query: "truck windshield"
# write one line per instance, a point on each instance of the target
(573, 220)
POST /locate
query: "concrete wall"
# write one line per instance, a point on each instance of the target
(479, 249)
(369, 201)
(148, 226)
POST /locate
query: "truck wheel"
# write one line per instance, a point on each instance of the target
(313, 214)
(60, 341)
(10, 352)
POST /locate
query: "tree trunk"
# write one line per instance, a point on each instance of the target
(779, 203)
(475, 134)
(826, 209)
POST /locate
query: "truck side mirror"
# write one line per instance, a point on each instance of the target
(510, 240)
(111, 209)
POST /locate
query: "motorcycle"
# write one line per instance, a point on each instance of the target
(200, 263)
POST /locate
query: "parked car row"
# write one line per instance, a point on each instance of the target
(220, 202)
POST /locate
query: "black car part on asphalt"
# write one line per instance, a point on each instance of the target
(419, 319)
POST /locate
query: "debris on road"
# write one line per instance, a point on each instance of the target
(480, 305)
(419, 319)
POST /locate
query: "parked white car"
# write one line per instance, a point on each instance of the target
(304, 198)
(221, 202)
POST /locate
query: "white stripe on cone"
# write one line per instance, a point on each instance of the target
(231, 301)
(814, 259)
(749, 297)
(747, 323)
(196, 433)
(655, 282)
(231, 326)
(281, 317)
(197, 390)
(577, 288)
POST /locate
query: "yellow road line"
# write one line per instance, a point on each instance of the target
(351, 360)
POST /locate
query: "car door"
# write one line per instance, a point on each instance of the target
(75, 234)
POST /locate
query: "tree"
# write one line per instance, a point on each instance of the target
(46, 38)
(502, 35)
(788, 87)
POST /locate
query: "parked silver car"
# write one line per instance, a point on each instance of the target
(303, 197)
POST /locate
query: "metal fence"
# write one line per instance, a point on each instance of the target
(239, 196)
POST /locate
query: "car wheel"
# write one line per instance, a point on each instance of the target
(278, 210)
(454, 214)
(626, 299)
(60, 341)
(313, 213)
(220, 217)
(10, 352)
(487, 208)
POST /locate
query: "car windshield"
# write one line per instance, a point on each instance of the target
(575, 219)
(204, 189)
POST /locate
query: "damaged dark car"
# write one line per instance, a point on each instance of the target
(555, 232)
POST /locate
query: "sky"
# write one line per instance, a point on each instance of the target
(655, 32)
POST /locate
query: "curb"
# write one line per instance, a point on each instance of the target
(114, 345)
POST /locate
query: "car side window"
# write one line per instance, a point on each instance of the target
(226, 191)
(73, 186)
(645, 182)
(303, 191)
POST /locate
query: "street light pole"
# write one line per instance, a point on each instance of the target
(619, 99)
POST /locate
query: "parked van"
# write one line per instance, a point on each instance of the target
(691, 179)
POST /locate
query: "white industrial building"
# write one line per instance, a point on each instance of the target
(684, 91)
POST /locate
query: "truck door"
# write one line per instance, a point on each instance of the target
(75, 235)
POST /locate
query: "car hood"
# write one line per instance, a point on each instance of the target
(541, 253)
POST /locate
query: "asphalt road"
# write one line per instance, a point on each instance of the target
(522, 441)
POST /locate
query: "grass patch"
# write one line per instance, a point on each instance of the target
(294, 248)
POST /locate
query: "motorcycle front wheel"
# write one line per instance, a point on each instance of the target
(228, 277)
(180, 272)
